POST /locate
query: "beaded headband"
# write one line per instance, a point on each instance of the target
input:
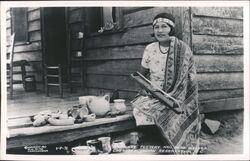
(168, 21)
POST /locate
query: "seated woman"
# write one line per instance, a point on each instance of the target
(169, 64)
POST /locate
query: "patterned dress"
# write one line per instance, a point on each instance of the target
(175, 73)
(154, 60)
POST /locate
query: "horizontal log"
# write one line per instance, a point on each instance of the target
(33, 15)
(111, 82)
(220, 94)
(117, 67)
(205, 44)
(204, 63)
(127, 52)
(213, 26)
(75, 16)
(212, 81)
(34, 25)
(224, 12)
(35, 35)
(145, 16)
(29, 56)
(30, 47)
(219, 63)
(131, 36)
(206, 81)
(221, 105)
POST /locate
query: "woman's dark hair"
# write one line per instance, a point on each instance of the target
(168, 16)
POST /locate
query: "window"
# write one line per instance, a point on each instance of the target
(19, 24)
(104, 19)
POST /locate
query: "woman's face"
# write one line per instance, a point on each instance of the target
(161, 31)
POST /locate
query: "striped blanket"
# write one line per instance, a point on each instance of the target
(181, 131)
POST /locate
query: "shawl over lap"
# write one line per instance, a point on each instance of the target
(181, 131)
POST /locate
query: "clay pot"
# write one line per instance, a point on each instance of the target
(120, 106)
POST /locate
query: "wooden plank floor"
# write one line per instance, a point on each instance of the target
(30, 103)
(26, 104)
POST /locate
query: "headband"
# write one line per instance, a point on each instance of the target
(168, 21)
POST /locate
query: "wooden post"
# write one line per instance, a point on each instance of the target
(186, 26)
(60, 80)
(46, 80)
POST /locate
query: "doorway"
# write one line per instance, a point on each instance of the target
(54, 36)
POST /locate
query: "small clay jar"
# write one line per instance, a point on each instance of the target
(119, 105)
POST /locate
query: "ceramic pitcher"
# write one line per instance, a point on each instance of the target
(99, 105)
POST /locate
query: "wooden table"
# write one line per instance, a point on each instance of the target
(21, 132)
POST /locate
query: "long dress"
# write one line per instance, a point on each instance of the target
(175, 73)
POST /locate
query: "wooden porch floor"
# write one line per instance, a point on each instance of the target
(25, 104)
(30, 103)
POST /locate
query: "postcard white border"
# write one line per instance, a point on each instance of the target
(244, 4)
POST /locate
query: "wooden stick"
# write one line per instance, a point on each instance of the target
(149, 86)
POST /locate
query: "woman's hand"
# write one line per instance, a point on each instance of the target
(144, 71)
(143, 92)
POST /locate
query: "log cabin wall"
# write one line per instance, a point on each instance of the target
(32, 50)
(215, 35)
(217, 42)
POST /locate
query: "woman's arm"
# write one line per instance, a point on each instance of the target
(144, 71)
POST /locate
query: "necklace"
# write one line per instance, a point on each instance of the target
(163, 49)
